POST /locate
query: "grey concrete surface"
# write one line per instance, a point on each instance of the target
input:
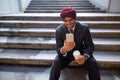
(11, 72)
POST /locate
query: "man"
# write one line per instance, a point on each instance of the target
(82, 42)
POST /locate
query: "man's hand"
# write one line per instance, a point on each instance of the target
(81, 59)
(68, 45)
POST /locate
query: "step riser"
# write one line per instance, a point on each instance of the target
(37, 8)
(30, 34)
(114, 65)
(106, 35)
(27, 46)
(70, 4)
(87, 18)
(45, 46)
(60, 0)
(53, 7)
(80, 3)
(54, 25)
(52, 34)
(114, 48)
(40, 11)
(60, 5)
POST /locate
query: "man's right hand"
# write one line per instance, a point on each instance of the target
(68, 45)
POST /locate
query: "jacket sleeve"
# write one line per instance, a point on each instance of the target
(59, 41)
(88, 42)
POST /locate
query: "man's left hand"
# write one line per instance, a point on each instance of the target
(81, 60)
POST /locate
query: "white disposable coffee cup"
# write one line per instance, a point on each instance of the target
(76, 54)
(69, 37)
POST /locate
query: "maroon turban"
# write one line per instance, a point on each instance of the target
(68, 12)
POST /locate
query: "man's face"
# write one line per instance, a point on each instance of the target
(69, 22)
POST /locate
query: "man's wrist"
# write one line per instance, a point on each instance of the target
(63, 51)
(86, 56)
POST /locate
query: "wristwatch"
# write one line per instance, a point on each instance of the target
(86, 56)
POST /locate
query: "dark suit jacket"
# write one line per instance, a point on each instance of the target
(82, 38)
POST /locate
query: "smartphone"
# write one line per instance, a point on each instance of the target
(69, 37)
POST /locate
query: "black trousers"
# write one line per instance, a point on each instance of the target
(90, 65)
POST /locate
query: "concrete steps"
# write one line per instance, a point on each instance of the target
(50, 32)
(56, 17)
(59, 8)
(29, 34)
(45, 57)
(53, 24)
(57, 11)
(49, 43)
(14, 72)
(58, 3)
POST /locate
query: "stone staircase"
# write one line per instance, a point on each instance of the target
(29, 38)
(54, 6)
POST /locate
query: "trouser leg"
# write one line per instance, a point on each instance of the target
(55, 70)
(93, 70)
(57, 65)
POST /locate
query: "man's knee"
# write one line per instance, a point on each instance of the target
(92, 63)
(56, 63)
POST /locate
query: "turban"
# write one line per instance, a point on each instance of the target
(68, 12)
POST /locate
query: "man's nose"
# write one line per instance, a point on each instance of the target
(68, 22)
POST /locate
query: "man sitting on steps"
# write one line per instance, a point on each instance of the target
(66, 46)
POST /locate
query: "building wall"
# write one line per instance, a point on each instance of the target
(103, 4)
(111, 6)
(23, 4)
(115, 6)
(13, 6)
(9, 6)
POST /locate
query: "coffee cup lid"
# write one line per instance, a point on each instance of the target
(76, 53)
